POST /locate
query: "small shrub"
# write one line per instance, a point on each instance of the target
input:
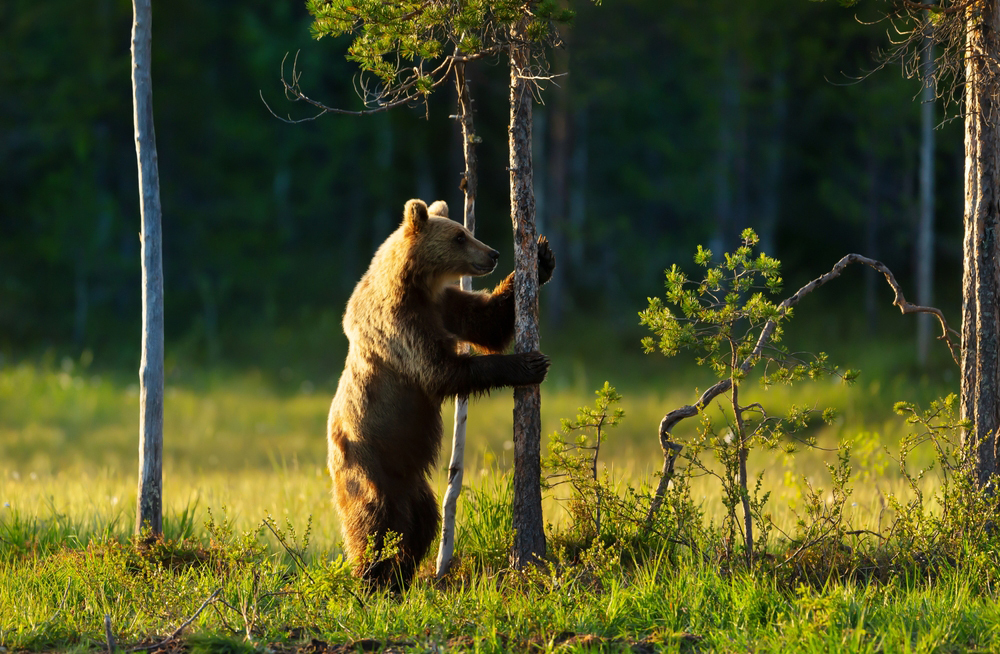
(727, 319)
(605, 512)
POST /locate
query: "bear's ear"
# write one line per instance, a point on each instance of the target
(438, 208)
(415, 216)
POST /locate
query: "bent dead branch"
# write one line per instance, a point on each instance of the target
(406, 92)
(672, 450)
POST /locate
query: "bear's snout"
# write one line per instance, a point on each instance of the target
(495, 256)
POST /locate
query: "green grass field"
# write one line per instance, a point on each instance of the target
(240, 448)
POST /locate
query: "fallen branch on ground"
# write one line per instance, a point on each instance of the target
(179, 630)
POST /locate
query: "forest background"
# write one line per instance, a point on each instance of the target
(677, 125)
(673, 128)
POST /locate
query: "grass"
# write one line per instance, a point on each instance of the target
(674, 607)
(240, 448)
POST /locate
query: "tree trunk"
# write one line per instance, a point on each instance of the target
(558, 174)
(529, 535)
(81, 298)
(871, 237)
(577, 195)
(149, 514)
(980, 334)
(774, 159)
(456, 468)
(726, 156)
(925, 229)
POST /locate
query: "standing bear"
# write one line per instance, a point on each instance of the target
(405, 321)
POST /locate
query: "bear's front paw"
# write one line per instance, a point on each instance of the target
(546, 260)
(534, 366)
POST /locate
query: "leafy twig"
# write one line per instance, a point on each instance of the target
(296, 557)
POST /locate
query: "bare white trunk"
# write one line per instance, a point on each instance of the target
(456, 472)
(456, 468)
(149, 512)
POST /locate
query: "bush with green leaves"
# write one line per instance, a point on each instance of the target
(605, 511)
(960, 517)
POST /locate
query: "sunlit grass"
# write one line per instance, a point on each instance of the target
(238, 449)
(68, 448)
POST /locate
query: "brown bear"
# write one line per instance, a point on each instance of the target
(405, 321)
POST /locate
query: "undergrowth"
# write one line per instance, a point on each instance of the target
(634, 563)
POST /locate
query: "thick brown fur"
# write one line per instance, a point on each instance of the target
(405, 321)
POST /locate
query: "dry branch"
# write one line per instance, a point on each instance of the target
(938, 9)
(179, 630)
(405, 93)
(109, 637)
(671, 450)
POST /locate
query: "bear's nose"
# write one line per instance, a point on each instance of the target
(494, 255)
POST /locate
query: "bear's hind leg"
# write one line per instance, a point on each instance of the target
(413, 524)
(417, 525)
(424, 522)
(413, 520)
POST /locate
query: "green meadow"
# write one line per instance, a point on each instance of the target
(249, 527)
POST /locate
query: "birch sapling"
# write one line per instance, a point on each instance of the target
(149, 510)
(456, 468)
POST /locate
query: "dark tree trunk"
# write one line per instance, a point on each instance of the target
(871, 239)
(774, 159)
(577, 195)
(81, 298)
(980, 401)
(558, 164)
(925, 228)
(529, 538)
(149, 514)
(727, 161)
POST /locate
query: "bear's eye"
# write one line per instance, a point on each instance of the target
(460, 239)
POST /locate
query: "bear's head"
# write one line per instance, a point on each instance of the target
(443, 249)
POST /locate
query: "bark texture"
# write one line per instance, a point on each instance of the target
(980, 401)
(149, 513)
(456, 468)
(529, 534)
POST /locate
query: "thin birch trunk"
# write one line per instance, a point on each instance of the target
(980, 330)
(149, 513)
(925, 229)
(529, 534)
(456, 467)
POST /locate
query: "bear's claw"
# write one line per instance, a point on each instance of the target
(546, 260)
(535, 366)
